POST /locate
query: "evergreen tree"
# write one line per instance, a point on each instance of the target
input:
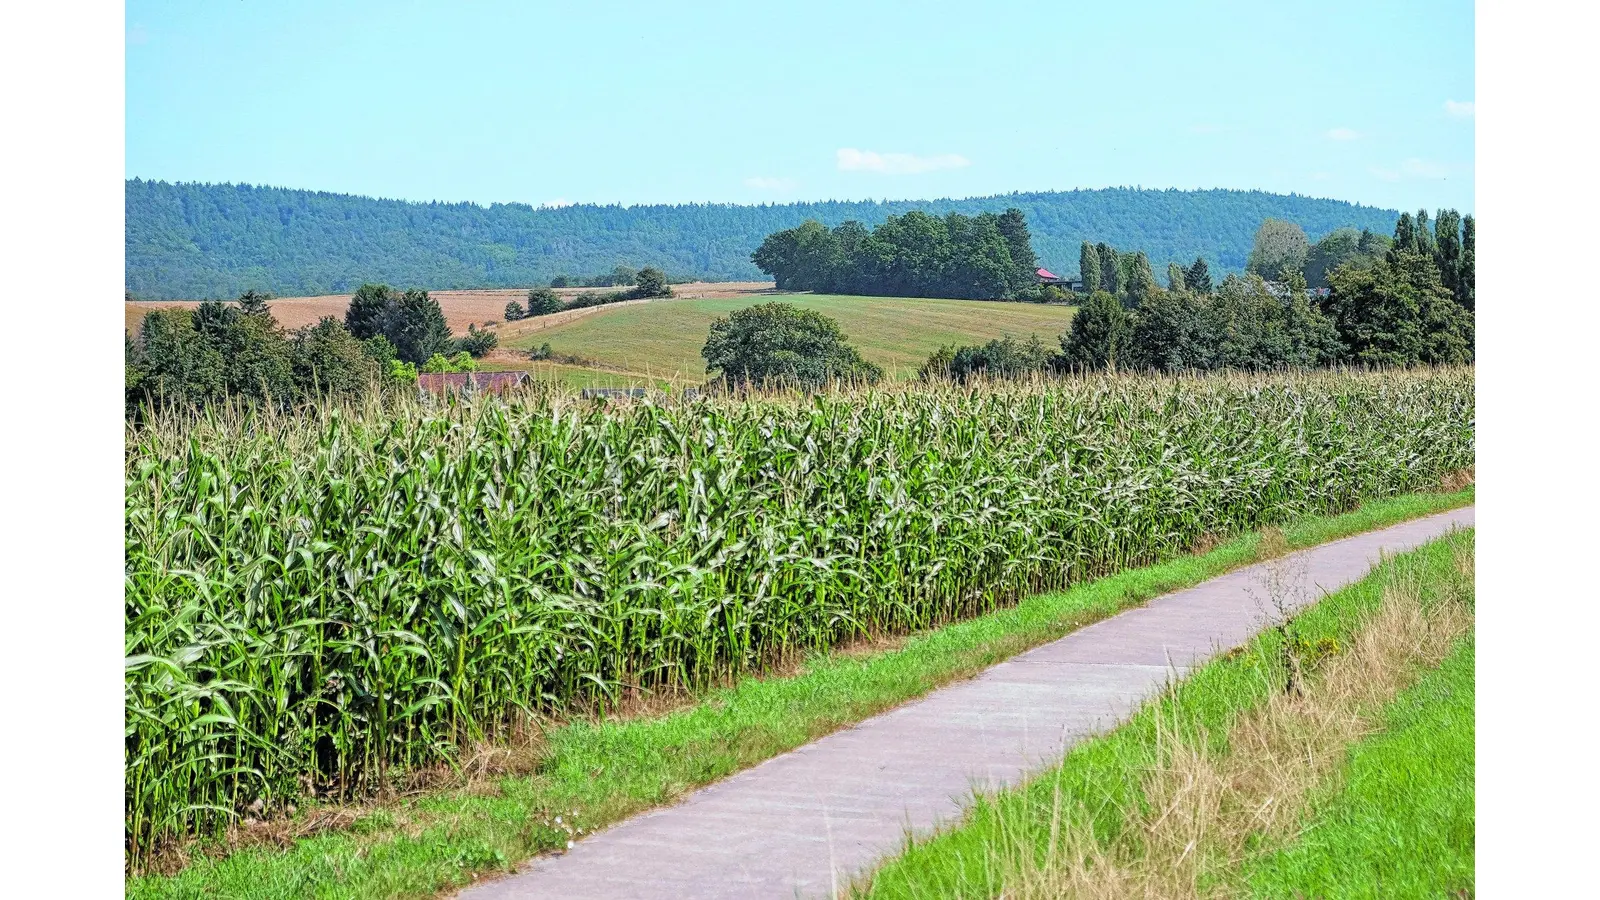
(1100, 333)
(1013, 227)
(1089, 267)
(253, 303)
(1373, 246)
(1466, 280)
(1198, 277)
(416, 326)
(1175, 279)
(363, 316)
(515, 312)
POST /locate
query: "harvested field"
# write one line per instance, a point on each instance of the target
(461, 308)
(664, 341)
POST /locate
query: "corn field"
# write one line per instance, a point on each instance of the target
(319, 602)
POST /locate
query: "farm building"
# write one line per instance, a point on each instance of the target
(1046, 276)
(469, 382)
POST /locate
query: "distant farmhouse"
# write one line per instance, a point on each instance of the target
(470, 382)
(1046, 276)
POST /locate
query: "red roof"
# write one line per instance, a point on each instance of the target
(1045, 273)
(440, 382)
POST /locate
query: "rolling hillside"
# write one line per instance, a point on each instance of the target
(660, 341)
(187, 241)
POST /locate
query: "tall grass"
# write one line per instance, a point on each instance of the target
(316, 603)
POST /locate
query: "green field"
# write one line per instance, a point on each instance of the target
(662, 340)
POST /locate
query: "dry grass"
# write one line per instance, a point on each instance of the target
(1207, 810)
(1458, 480)
(461, 308)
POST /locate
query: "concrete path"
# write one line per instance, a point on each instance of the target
(801, 824)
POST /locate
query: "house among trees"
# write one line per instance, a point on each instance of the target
(1046, 276)
(470, 382)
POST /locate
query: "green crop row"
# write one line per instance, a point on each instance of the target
(319, 603)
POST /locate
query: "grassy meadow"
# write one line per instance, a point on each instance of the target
(322, 604)
(661, 340)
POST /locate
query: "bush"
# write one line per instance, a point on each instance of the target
(540, 352)
(651, 282)
(543, 302)
(780, 343)
(515, 312)
(402, 372)
(477, 343)
(1004, 357)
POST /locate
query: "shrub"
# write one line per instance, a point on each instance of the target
(477, 343)
(781, 343)
(651, 282)
(1004, 357)
(543, 302)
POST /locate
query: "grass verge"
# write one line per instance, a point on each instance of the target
(1403, 823)
(592, 773)
(1219, 774)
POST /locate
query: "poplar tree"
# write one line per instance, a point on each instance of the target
(1405, 234)
(1089, 267)
(1424, 235)
(1447, 249)
(1108, 269)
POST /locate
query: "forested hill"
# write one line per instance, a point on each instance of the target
(217, 240)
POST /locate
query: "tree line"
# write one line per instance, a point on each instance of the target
(1404, 301)
(238, 349)
(982, 257)
(648, 283)
(186, 241)
(218, 350)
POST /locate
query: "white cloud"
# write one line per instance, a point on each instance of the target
(1424, 168)
(1461, 109)
(766, 183)
(1343, 134)
(853, 160)
(138, 34)
(556, 203)
(1320, 176)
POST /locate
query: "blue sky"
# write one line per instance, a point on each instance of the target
(699, 101)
